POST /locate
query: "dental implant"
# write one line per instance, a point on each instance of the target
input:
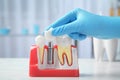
(50, 39)
(50, 54)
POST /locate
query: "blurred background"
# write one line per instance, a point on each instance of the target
(22, 20)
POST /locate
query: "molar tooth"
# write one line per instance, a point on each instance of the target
(40, 41)
(64, 49)
(98, 49)
(111, 48)
(63, 41)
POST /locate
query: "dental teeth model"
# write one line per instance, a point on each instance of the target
(64, 49)
(40, 42)
(53, 57)
(50, 39)
(100, 46)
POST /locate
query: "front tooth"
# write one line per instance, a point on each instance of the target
(64, 49)
(40, 41)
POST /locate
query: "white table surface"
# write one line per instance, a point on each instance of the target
(17, 69)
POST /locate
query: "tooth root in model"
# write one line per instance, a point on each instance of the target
(40, 41)
(98, 49)
(111, 48)
(64, 49)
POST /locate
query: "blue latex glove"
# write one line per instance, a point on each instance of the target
(79, 24)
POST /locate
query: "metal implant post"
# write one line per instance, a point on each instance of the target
(50, 53)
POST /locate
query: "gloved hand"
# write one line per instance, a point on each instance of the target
(78, 24)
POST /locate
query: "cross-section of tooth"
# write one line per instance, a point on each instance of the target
(48, 35)
(64, 49)
(40, 41)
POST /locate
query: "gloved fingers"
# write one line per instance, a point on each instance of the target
(65, 29)
(69, 17)
(77, 36)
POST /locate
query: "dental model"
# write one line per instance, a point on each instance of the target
(64, 49)
(58, 58)
(46, 57)
(40, 42)
(50, 39)
(100, 46)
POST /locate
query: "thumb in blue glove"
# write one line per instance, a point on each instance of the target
(79, 24)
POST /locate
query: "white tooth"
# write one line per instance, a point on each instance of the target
(48, 35)
(63, 40)
(40, 41)
(98, 49)
(111, 48)
(64, 49)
